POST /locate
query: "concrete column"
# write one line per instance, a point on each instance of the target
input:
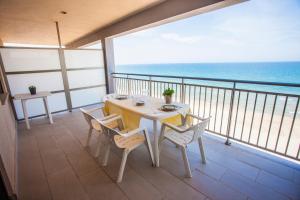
(109, 62)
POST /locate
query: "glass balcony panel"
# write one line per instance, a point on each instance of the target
(84, 78)
(30, 59)
(83, 58)
(87, 96)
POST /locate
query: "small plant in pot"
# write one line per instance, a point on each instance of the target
(168, 95)
(32, 89)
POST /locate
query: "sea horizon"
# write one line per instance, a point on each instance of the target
(286, 71)
(280, 72)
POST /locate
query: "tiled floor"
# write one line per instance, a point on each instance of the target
(53, 164)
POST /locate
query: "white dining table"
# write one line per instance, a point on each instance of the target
(151, 111)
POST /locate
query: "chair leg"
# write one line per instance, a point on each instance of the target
(201, 147)
(122, 167)
(186, 162)
(106, 155)
(98, 146)
(159, 144)
(89, 136)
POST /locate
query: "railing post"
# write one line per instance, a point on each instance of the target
(182, 91)
(150, 86)
(114, 83)
(230, 114)
(128, 84)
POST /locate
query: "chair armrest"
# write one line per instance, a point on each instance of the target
(197, 117)
(133, 132)
(175, 128)
(113, 118)
(107, 117)
(91, 110)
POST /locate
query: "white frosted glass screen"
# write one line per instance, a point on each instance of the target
(51, 81)
(83, 58)
(29, 59)
(87, 96)
(83, 78)
(35, 107)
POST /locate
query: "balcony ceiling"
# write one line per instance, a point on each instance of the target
(32, 21)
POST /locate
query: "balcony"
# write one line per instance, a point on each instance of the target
(244, 170)
(252, 142)
(53, 164)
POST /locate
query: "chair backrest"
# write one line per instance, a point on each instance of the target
(199, 128)
(107, 130)
(87, 116)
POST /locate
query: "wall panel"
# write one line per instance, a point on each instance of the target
(83, 58)
(87, 96)
(84, 78)
(51, 81)
(29, 59)
(8, 143)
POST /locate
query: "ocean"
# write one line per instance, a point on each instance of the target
(283, 72)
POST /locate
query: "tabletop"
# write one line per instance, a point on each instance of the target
(29, 96)
(151, 109)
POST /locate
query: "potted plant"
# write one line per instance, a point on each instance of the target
(168, 95)
(32, 89)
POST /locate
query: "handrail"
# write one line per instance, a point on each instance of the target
(213, 79)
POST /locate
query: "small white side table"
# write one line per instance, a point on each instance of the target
(25, 97)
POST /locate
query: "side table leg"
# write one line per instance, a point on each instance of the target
(25, 113)
(47, 110)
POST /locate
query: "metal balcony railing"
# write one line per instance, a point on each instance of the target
(261, 114)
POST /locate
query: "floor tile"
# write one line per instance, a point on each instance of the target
(250, 188)
(278, 184)
(213, 188)
(65, 185)
(99, 186)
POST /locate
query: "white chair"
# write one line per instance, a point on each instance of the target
(183, 135)
(88, 116)
(123, 139)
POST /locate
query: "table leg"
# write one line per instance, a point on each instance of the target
(25, 113)
(156, 137)
(47, 110)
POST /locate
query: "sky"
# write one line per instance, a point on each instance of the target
(252, 31)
